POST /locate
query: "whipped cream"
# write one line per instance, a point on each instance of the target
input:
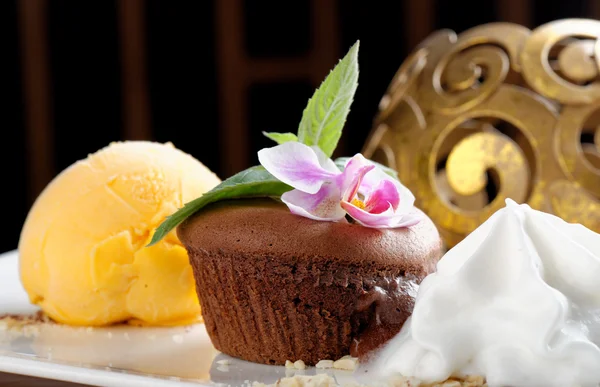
(517, 301)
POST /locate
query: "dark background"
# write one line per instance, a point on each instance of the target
(80, 74)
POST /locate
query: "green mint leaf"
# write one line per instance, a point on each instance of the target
(281, 138)
(253, 182)
(340, 162)
(326, 112)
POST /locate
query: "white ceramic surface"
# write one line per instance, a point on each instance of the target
(122, 356)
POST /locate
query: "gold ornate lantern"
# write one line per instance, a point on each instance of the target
(497, 112)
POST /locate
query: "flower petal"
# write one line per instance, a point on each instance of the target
(297, 165)
(386, 219)
(382, 197)
(372, 180)
(383, 219)
(325, 161)
(407, 200)
(351, 179)
(410, 219)
(324, 205)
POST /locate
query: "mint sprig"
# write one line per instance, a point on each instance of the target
(322, 123)
(324, 117)
(281, 138)
(252, 182)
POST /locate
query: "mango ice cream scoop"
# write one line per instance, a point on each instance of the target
(82, 249)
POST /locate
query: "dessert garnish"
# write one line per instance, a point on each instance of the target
(300, 172)
(517, 302)
(323, 192)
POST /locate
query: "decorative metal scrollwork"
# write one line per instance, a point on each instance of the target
(497, 112)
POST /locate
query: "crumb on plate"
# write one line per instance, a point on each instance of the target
(26, 325)
(324, 380)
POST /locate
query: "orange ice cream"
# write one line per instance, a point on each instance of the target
(82, 249)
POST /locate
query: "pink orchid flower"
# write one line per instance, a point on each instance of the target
(321, 192)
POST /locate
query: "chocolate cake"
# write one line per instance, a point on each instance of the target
(275, 286)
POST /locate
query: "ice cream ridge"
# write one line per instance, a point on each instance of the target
(82, 249)
(517, 301)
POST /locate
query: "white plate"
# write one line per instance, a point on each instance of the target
(122, 356)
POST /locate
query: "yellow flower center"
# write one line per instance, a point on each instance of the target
(358, 203)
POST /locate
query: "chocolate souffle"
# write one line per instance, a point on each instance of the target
(275, 286)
